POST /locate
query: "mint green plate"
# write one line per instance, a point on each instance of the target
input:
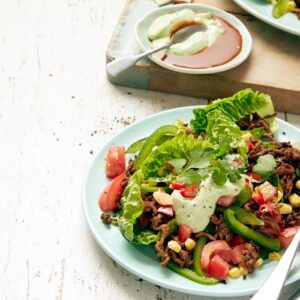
(141, 260)
(263, 11)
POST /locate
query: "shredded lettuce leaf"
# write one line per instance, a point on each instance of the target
(177, 148)
(236, 107)
(132, 206)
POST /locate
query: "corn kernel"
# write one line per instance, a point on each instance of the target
(298, 184)
(173, 245)
(190, 244)
(285, 209)
(243, 271)
(291, 6)
(279, 196)
(234, 273)
(274, 256)
(163, 198)
(294, 199)
(259, 262)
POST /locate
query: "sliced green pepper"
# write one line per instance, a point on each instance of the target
(152, 141)
(246, 217)
(191, 275)
(244, 196)
(197, 255)
(248, 233)
(137, 146)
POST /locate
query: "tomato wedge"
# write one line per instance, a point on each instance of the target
(218, 268)
(184, 232)
(112, 193)
(190, 191)
(177, 185)
(253, 176)
(115, 162)
(286, 236)
(237, 253)
(209, 251)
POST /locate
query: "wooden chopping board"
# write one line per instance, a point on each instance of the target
(273, 66)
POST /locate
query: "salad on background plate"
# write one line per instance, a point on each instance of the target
(216, 198)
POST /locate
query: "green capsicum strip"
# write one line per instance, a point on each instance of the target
(197, 255)
(248, 233)
(191, 275)
(152, 141)
(246, 217)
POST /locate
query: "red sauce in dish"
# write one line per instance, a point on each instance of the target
(226, 48)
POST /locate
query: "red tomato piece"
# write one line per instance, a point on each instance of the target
(237, 255)
(226, 200)
(258, 197)
(209, 251)
(177, 185)
(253, 176)
(225, 254)
(237, 240)
(166, 210)
(250, 146)
(112, 193)
(184, 232)
(115, 162)
(190, 191)
(286, 236)
(268, 191)
(218, 268)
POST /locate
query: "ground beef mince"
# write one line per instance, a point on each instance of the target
(222, 230)
(106, 218)
(287, 157)
(160, 246)
(151, 218)
(250, 255)
(292, 219)
(130, 168)
(183, 258)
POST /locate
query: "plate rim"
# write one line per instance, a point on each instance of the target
(266, 19)
(127, 266)
(236, 61)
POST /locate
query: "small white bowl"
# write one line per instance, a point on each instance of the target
(143, 25)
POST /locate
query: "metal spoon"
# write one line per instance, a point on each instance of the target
(118, 66)
(273, 286)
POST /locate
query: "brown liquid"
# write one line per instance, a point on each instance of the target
(227, 47)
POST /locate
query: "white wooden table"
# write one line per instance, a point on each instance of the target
(56, 110)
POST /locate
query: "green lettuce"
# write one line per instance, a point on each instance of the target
(236, 107)
(146, 237)
(220, 127)
(178, 148)
(132, 206)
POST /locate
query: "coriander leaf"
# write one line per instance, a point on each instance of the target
(178, 164)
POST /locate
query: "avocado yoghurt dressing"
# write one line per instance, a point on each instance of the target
(162, 28)
(196, 212)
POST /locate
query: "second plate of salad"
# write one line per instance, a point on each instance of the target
(196, 197)
(285, 19)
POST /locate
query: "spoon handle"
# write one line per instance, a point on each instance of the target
(118, 66)
(273, 285)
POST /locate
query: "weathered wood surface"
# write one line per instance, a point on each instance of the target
(273, 66)
(56, 110)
